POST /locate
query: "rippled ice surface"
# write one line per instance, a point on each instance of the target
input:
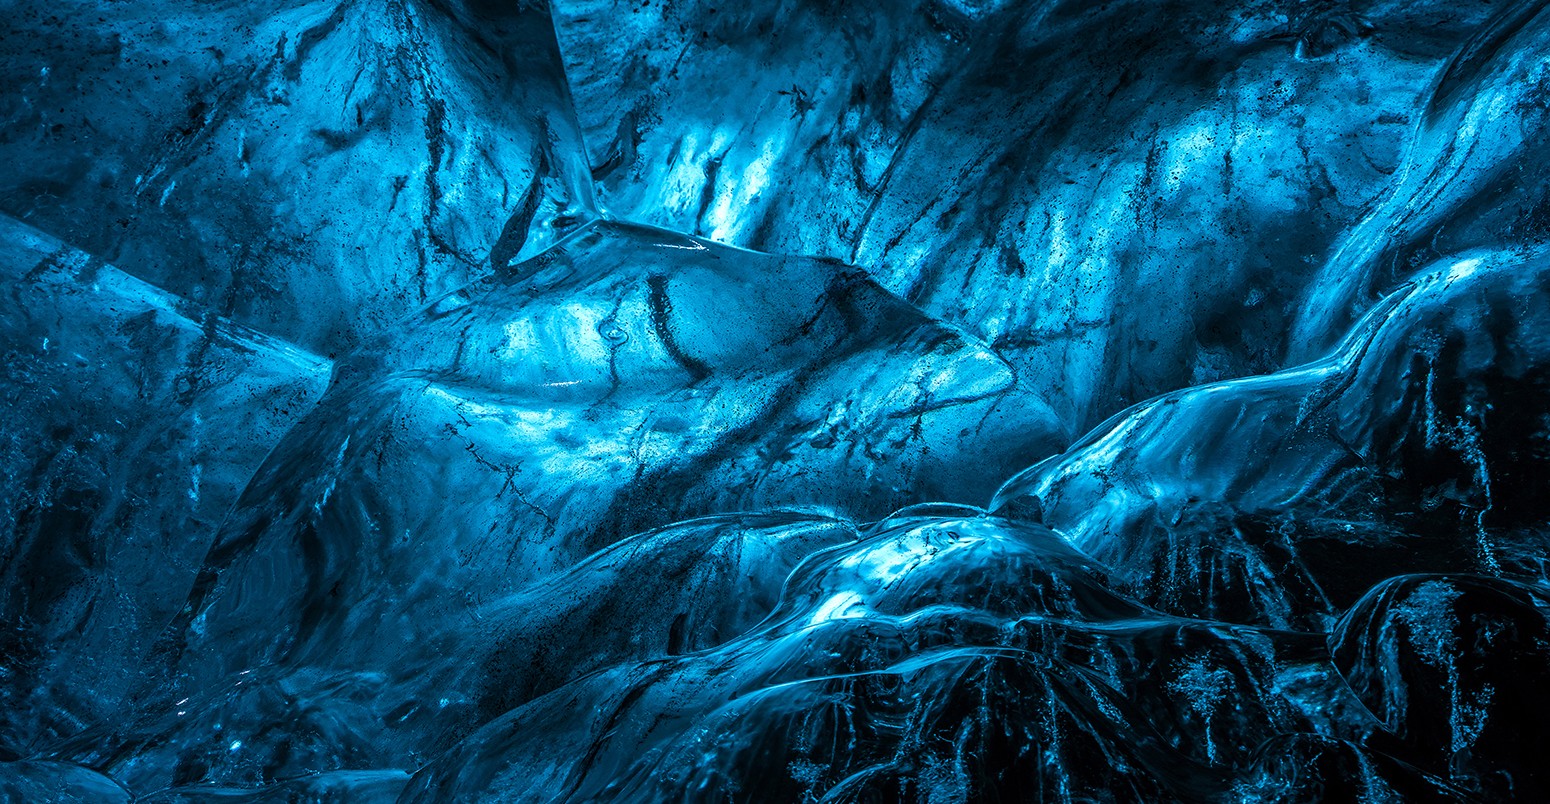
(459, 400)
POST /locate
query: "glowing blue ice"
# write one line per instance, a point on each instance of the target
(457, 400)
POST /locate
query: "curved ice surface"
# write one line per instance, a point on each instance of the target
(1127, 197)
(430, 400)
(1459, 186)
(132, 422)
(313, 169)
(1278, 499)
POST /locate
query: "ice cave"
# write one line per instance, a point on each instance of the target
(774, 401)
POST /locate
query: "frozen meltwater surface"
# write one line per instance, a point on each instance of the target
(451, 400)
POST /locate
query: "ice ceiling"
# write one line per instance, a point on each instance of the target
(797, 400)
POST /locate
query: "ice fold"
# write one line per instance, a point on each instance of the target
(312, 169)
(627, 378)
(350, 450)
(131, 422)
(1124, 199)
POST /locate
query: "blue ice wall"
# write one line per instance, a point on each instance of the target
(504, 400)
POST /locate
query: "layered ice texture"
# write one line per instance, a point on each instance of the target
(462, 400)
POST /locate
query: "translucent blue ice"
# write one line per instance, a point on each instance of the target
(459, 400)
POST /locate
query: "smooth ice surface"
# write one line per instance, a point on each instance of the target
(457, 400)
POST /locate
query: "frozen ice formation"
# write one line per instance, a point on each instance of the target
(312, 169)
(133, 420)
(1124, 197)
(460, 400)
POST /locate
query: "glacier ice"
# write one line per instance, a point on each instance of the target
(133, 422)
(459, 400)
(1038, 172)
(312, 169)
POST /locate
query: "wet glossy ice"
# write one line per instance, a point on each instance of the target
(445, 400)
